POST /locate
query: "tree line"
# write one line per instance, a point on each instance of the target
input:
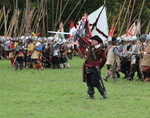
(43, 15)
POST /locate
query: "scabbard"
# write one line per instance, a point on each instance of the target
(101, 81)
(83, 73)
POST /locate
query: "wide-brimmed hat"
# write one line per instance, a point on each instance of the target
(97, 38)
(29, 40)
(134, 38)
(142, 37)
(114, 40)
(125, 39)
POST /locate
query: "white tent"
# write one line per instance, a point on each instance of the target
(102, 24)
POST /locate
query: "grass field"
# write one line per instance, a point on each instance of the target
(60, 93)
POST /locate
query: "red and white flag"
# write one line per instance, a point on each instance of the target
(72, 30)
(134, 29)
(61, 29)
(112, 29)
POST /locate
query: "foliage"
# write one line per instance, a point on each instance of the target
(113, 9)
(60, 93)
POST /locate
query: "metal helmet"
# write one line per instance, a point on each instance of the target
(134, 38)
(148, 37)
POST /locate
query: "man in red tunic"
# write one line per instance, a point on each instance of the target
(95, 60)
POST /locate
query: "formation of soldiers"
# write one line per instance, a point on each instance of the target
(132, 55)
(37, 53)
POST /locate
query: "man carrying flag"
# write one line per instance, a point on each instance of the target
(95, 60)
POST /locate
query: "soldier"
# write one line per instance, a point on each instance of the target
(63, 57)
(12, 52)
(125, 59)
(37, 56)
(145, 62)
(30, 49)
(56, 55)
(113, 60)
(135, 59)
(95, 60)
(19, 56)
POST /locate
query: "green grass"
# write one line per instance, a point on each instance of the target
(60, 93)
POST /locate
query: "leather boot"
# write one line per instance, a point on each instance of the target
(12, 61)
(106, 76)
(131, 77)
(91, 92)
(146, 80)
(21, 66)
(125, 75)
(118, 75)
(102, 92)
(33, 66)
(16, 66)
(28, 65)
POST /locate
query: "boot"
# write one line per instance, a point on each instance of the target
(118, 75)
(21, 66)
(36, 66)
(28, 65)
(125, 75)
(102, 92)
(139, 75)
(146, 80)
(68, 66)
(106, 76)
(145, 75)
(130, 76)
(91, 97)
(91, 92)
(16, 66)
(12, 61)
(33, 66)
(61, 66)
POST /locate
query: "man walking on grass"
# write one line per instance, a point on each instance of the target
(95, 60)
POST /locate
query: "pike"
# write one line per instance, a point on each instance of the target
(59, 32)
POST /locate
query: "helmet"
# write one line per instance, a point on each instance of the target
(134, 38)
(142, 37)
(126, 39)
(148, 37)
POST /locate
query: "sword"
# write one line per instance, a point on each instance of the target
(101, 81)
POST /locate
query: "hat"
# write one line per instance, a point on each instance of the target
(134, 38)
(126, 39)
(97, 38)
(142, 37)
(148, 37)
(114, 39)
(37, 44)
(29, 40)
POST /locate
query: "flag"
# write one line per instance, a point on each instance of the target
(87, 31)
(83, 28)
(72, 30)
(37, 34)
(112, 29)
(133, 30)
(138, 28)
(61, 29)
(33, 34)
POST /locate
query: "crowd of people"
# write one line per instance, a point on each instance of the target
(124, 55)
(128, 56)
(120, 55)
(37, 53)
